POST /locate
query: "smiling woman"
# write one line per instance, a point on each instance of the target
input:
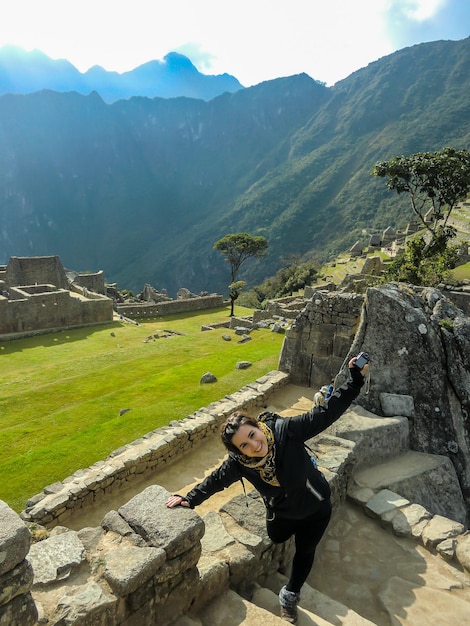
(251, 440)
(270, 452)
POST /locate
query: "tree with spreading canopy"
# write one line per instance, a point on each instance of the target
(436, 182)
(238, 248)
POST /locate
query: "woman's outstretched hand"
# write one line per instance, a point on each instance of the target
(176, 500)
(352, 362)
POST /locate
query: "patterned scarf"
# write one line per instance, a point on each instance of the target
(266, 465)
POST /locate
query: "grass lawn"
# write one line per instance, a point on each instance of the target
(61, 393)
(462, 272)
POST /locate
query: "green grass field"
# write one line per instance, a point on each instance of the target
(61, 393)
(461, 273)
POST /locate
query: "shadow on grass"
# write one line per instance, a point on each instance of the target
(50, 338)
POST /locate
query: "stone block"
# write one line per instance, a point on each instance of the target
(20, 611)
(439, 529)
(397, 404)
(384, 502)
(15, 539)
(56, 557)
(174, 530)
(79, 603)
(127, 568)
(16, 582)
(462, 551)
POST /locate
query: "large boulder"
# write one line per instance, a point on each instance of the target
(419, 344)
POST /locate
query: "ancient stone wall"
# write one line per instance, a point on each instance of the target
(42, 308)
(315, 347)
(35, 298)
(142, 566)
(460, 296)
(420, 347)
(16, 574)
(419, 342)
(160, 309)
(92, 282)
(36, 270)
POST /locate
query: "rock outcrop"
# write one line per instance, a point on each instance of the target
(419, 343)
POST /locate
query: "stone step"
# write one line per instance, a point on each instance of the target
(230, 609)
(313, 603)
(426, 479)
(315, 609)
(268, 600)
(376, 438)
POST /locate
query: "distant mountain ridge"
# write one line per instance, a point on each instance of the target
(23, 72)
(142, 188)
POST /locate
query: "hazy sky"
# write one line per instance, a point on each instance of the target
(254, 40)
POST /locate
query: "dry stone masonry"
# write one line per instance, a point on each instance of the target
(35, 296)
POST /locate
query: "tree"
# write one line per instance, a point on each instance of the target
(420, 265)
(237, 248)
(436, 182)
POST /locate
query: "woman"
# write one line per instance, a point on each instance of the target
(270, 453)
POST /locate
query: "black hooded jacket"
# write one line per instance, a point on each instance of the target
(302, 486)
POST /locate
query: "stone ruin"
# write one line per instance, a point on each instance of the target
(153, 303)
(37, 295)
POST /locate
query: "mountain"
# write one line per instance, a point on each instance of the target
(24, 72)
(142, 188)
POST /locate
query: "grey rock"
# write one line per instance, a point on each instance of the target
(244, 339)
(15, 539)
(216, 537)
(86, 604)
(16, 582)
(112, 521)
(20, 611)
(174, 530)
(462, 551)
(56, 557)
(440, 528)
(397, 404)
(243, 365)
(127, 568)
(208, 377)
(384, 502)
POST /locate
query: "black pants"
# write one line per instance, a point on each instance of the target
(307, 533)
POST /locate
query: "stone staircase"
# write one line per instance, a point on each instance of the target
(377, 564)
(230, 609)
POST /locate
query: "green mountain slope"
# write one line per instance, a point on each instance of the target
(143, 188)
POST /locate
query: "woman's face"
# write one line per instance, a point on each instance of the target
(250, 440)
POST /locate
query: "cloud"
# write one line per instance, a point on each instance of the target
(254, 40)
(201, 59)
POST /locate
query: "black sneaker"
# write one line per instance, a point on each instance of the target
(289, 601)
